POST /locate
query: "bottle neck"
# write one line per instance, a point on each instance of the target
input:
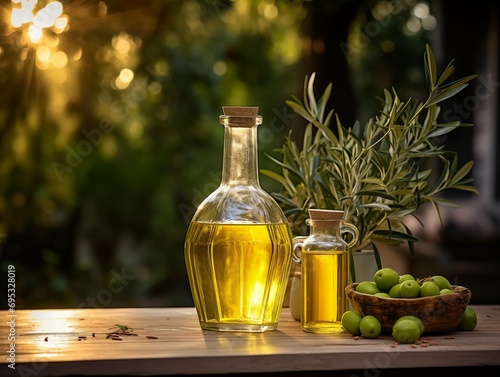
(240, 159)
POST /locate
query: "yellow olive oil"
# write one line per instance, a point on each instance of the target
(325, 274)
(238, 274)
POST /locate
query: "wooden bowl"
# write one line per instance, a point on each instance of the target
(439, 313)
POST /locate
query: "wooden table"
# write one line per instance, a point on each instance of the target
(169, 341)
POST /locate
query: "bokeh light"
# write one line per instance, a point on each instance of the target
(24, 13)
(41, 27)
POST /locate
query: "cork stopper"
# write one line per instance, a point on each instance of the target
(324, 218)
(240, 116)
(240, 111)
(325, 215)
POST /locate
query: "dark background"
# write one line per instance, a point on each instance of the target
(100, 174)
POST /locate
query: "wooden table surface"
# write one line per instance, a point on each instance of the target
(169, 341)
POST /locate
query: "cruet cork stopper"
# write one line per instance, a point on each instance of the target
(325, 215)
(241, 111)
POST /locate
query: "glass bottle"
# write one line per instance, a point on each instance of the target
(238, 247)
(324, 259)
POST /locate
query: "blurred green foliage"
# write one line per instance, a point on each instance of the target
(101, 173)
(109, 133)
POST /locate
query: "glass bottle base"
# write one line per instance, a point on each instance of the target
(238, 327)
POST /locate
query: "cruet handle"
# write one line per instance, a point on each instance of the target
(352, 230)
(297, 248)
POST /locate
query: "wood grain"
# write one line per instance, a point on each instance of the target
(74, 342)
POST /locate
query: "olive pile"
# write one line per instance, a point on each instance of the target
(389, 284)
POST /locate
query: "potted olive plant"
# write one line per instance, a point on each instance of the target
(379, 173)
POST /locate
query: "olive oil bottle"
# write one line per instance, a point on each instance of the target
(238, 247)
(324, 260)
